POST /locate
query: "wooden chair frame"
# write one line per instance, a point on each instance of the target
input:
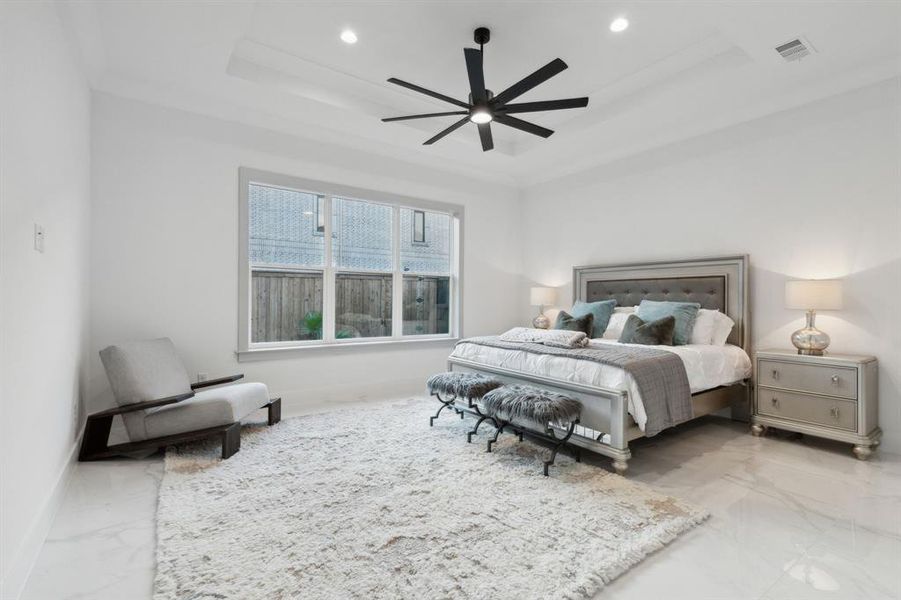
(95, 443)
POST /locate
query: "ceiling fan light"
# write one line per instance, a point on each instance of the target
(480, 116)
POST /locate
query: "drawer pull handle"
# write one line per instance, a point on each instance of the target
(834, 412)
(835, 379)
(775, 374)
(775, 401)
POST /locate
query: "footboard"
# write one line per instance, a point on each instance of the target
(605, 426)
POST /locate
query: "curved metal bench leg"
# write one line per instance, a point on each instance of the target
(475, 430)
(500, 429)
(444, 404)
(563, 440)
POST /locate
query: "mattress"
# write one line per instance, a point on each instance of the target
(707, 367)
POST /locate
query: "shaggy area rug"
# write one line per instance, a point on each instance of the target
(373, 503)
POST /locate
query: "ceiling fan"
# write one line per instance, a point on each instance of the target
(484, 106)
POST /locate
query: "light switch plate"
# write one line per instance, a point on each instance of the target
(38, 237)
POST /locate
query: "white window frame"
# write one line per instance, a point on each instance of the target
(248, 350)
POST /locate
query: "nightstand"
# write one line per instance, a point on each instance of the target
(832, 396)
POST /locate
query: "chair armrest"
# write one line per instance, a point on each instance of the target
(219, 381)
(118, 410)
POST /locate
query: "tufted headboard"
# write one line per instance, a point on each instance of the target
(715, 283)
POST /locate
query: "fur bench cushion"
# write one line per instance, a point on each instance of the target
(526, 403)
(462, 385)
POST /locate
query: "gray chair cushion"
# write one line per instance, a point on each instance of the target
(142, 371)
(208, 408)
(145, 370)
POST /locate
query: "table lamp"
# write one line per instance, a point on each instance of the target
(541, 297)
(812, 295)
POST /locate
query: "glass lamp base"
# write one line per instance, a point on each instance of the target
(810, 341)
(541, 322)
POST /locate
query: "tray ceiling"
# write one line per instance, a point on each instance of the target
(681, 69)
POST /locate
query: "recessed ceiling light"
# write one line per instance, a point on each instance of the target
(619, 24)
(480, 116)
(348, 37)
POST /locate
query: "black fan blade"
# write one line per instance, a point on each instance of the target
(485, 135)
(523, 125)
(524, 107)
(450, 129)
(442, 114)
(538, 77)
(476, 74)
(422, 90)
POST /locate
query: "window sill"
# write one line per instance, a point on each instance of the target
(258, 354)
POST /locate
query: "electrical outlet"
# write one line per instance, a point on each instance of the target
(39, 237)
(202, 377)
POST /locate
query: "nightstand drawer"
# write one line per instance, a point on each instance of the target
(816, 379)
(831, 412)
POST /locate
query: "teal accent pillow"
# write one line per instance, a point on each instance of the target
(684, 312)
(601, 312)
(568, 322)
(652, 333)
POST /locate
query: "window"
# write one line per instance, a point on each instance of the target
(418, 227)
(320, 215)
(324, 264)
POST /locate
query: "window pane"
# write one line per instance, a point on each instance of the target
(320, 215)
(286, 306)
(283, 228)
(362, 235)
(418, 227)
(432, 255)
(362, 305)
(426, 305)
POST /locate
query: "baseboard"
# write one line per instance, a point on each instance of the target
(891, 441)
(297, 402)
(24, 559)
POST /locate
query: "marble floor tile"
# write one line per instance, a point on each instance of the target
(791, 518)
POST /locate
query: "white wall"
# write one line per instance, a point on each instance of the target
(809, 193)
(44, 178)
(165, 248)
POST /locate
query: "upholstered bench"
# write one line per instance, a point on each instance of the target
(526, 408)
(466, 387)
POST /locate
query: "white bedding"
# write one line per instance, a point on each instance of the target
(707, 367)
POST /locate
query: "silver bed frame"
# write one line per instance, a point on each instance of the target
(605, 425)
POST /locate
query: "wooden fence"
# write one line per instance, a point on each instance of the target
(362, 305)
(280, 303)
(288, 306)
(426, 305)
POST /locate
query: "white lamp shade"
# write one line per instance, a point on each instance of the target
(818, 294)
(543, 296)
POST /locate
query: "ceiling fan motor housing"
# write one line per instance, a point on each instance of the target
(488, 96)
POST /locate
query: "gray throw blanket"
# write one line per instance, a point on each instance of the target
(659, 375)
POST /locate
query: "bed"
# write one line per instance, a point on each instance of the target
(612, 413)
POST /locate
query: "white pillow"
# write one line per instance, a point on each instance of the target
(722, 330)
(615, 325)
(704, 327)
(625, 309)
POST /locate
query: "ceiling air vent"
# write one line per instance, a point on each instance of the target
(795, 49)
